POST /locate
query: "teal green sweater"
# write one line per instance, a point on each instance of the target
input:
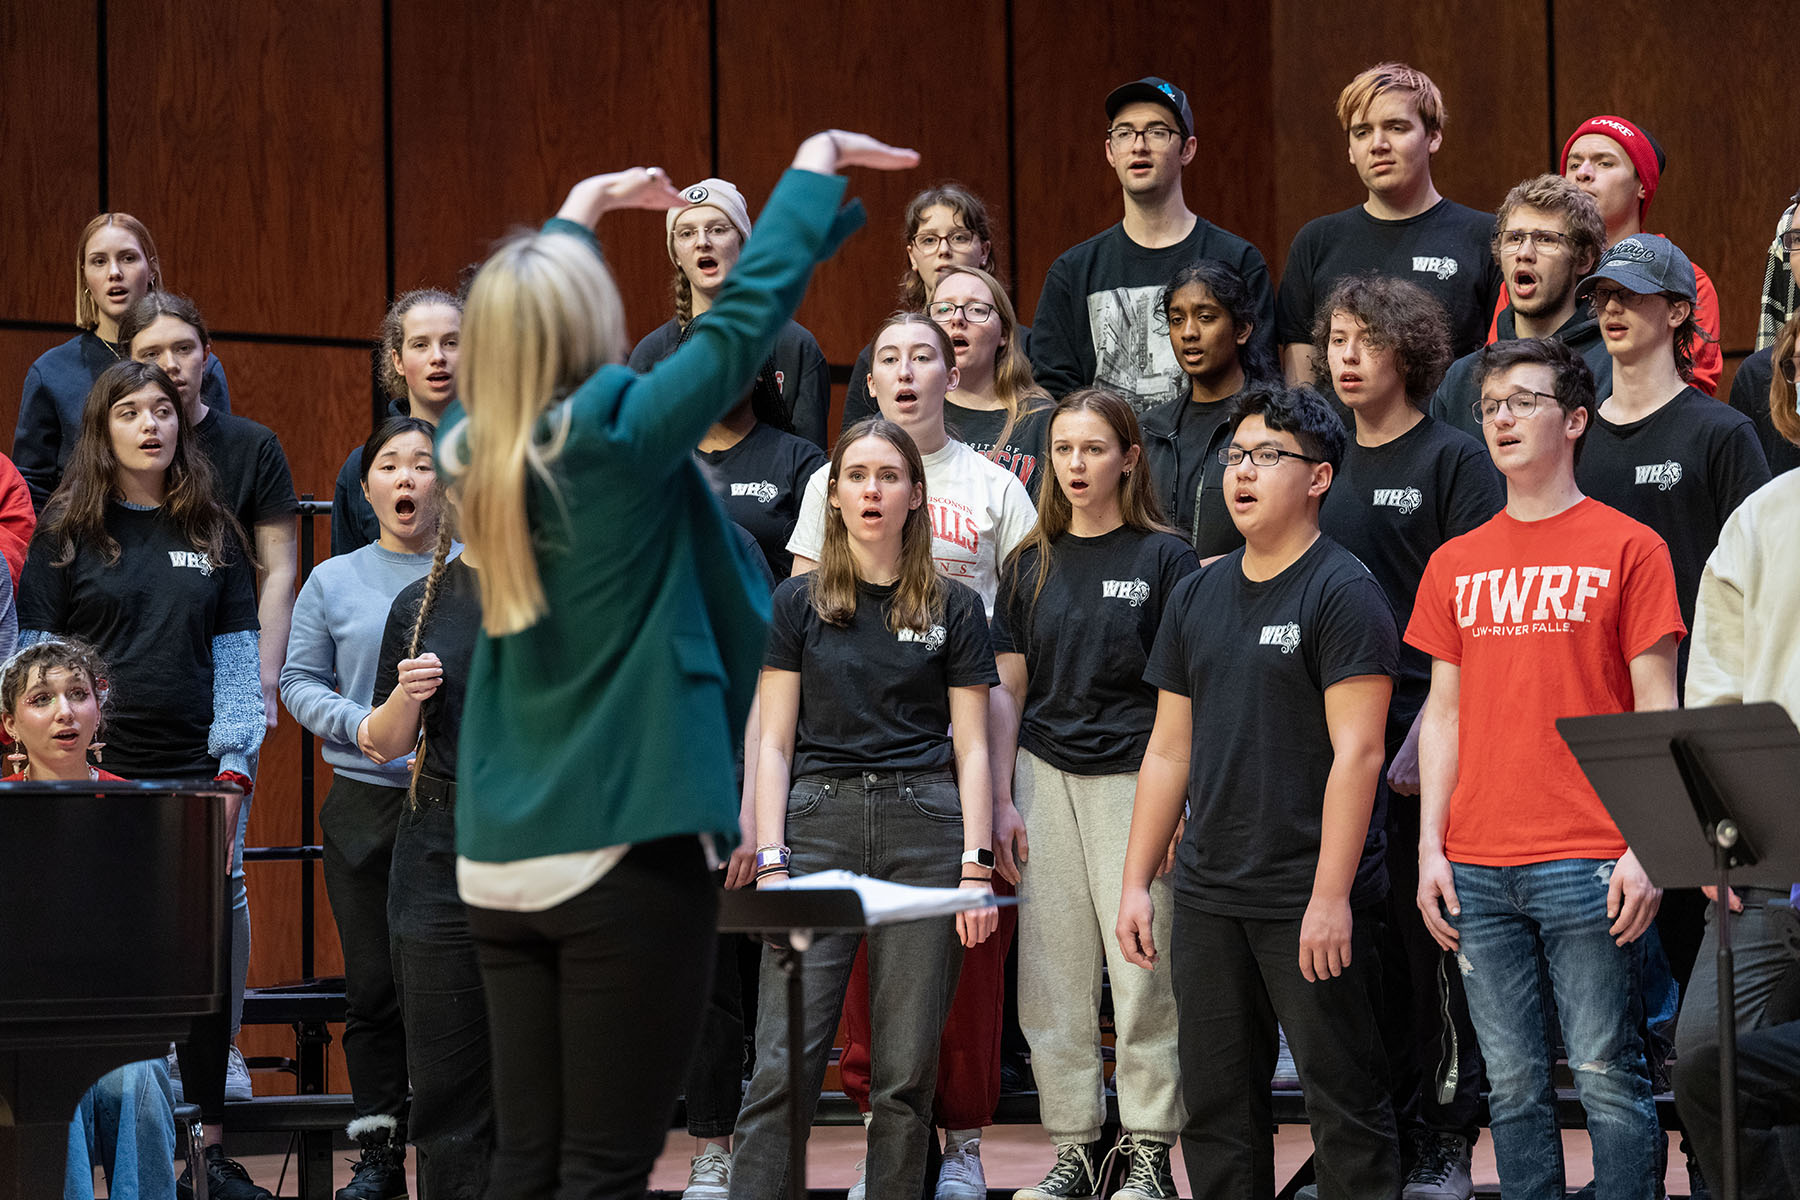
(612, 719)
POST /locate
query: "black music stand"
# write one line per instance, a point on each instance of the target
(795, 915)
(1732, 769)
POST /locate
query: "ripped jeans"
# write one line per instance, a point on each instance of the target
(1513, 917)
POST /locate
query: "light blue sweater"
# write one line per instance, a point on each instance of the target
(335, 647)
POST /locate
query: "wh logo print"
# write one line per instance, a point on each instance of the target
(1286, 636)
(1407, 500)
(762, 491)
(1664, 475)
(931, 639)
(1133, 591)
(187, 558)
(1427, 264)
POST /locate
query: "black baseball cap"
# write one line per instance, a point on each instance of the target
(1151, 90)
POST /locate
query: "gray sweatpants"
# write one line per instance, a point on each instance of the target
(1078, 827)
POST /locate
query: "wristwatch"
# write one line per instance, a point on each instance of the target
(981, 858)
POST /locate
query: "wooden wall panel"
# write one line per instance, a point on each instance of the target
(1732, 144)
(1068, 59)
(935, 82)
(315, 398)
(18, 350)
(248, 137)
(50, 143)
(499, 107)
(1488, 60)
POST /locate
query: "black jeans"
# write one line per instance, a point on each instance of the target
(1234, 978)
(358, 822)
(452, 1117)
(1423, 1006)
(715, 1080)
(594, 1007)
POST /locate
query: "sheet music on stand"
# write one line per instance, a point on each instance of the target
(883, 902)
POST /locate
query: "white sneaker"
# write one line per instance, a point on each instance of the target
(710, 1176)
(960, 1177)
(237, 1076)
(859, 1189)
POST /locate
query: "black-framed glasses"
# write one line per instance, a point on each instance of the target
(1787, 367)
(959, 239)
(1261, 456)
(1790, 240)
(1157, 137)
(1521, 404)
(1602, 296)
(974, 312)
(1544, 241)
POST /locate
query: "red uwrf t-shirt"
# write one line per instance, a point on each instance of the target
(1543, 618)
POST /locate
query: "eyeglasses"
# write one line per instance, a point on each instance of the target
(1520, 404)
(1157, 137)
(716, 232)
(1600, 297)
(1544, 241)
(960, 240)
(1788, 366)
(1790, 240)
(1262, 456)
(974, 312)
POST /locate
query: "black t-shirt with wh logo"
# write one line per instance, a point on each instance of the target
(153, 616)
(1255, 658)
(760, 482)
(1447, 250)
(1085, 640)
(1682, 471)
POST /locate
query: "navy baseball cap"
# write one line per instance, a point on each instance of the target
(1647, 264)
(1151, 90)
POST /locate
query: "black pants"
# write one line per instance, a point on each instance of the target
(452, 1116)
(715, 1080)
(1234, 978)
(594, 1008)
(1768, 1063)
(1423, 1010)
(358, 822)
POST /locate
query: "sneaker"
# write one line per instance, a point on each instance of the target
(380, 1172)
(709, 1178)
(860, 1189)
(960, 1177)
(225, 1180)
(1072, 1178)
(1148, 1177)
(1441, 1171)
(237, 1076)
(174, 1065)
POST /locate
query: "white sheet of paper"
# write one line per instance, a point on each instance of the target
(884, 902)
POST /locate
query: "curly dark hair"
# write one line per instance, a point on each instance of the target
(1398, 316)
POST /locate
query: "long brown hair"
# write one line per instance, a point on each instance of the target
(1138, 505)
(76, 513)
(1013, 382)
(1781, 393)
(918, 602)
(415, 642)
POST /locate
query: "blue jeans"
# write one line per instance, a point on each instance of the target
(126, 1124)
(1555, 912)
(906, 828)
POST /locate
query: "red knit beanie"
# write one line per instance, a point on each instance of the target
(1645, 155)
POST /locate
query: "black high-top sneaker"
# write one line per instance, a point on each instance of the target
(380, 1174)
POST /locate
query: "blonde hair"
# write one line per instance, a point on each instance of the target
(1360, 92)
(1013, 382)
(918, 601)
(1781, 393)
(87, 312)
(542, 315)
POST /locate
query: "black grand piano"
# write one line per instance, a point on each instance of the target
(112, 940)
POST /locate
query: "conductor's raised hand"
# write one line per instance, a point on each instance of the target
(831, 150)
(634, 187)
